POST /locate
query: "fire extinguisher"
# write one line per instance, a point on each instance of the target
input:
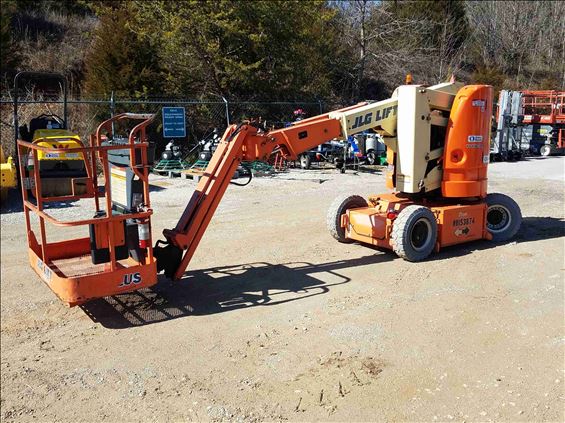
(144, 233)
(29, 161)
(29, 180)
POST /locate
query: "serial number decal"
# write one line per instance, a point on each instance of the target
(464, 221)
(473, 146)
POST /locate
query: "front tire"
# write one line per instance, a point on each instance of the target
(339, 206)
(504, 217)
(414, 233)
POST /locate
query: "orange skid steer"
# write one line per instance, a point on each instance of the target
(438, 148)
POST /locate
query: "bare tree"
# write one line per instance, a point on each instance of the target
(450, 53)
(526, 40)
(385, 46)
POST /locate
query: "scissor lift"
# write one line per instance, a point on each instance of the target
(81, 269)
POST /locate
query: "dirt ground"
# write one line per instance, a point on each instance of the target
(277, 321)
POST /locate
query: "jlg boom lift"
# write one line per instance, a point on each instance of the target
(438, 150)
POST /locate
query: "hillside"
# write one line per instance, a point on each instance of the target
(283, 50)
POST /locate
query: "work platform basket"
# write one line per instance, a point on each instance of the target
(117, 256)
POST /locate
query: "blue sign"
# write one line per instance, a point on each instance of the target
(174, 124)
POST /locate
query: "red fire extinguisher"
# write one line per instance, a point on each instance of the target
(144, 233)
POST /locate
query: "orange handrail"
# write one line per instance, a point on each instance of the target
(96, 149)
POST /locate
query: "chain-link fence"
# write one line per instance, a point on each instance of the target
(201, 116)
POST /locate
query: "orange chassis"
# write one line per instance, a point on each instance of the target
(457, 223)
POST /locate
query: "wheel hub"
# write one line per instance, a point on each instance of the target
(420, 234)
(498, 218)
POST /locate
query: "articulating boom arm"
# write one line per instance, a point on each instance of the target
(242, 142)
(246, 142)
(418, 106)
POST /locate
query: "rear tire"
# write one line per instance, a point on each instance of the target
(205, 155)
(545, 150)
(503, 217)
(371, 157)
(338, 162)
(305, 161)
(339, 206)
(414, 233)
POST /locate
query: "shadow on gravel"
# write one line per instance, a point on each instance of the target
(534, 158)
(217, 290)
(532, 229)
(13, 203)
(368, 169)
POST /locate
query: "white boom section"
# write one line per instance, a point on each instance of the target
(405, 121)
(381, 114)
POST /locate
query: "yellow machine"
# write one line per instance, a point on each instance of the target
(8, 177)
(62, 173)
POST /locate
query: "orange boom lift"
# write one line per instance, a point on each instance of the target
(438, 149)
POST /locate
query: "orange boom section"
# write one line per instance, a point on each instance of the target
(467, 145)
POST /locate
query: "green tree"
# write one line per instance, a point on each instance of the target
(9, 58)
(120, 59)
(76, 7)
(259, 49)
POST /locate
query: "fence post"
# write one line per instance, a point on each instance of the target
(227, 112)
(112, 109)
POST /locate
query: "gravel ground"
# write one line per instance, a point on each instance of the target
(276, 321)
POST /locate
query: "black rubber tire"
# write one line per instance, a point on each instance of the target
(545, 150)
(305, 161)
(502, 205)
(205, 155)
(339, 206)
(371, 157)
(338, 162)
(402, 234)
